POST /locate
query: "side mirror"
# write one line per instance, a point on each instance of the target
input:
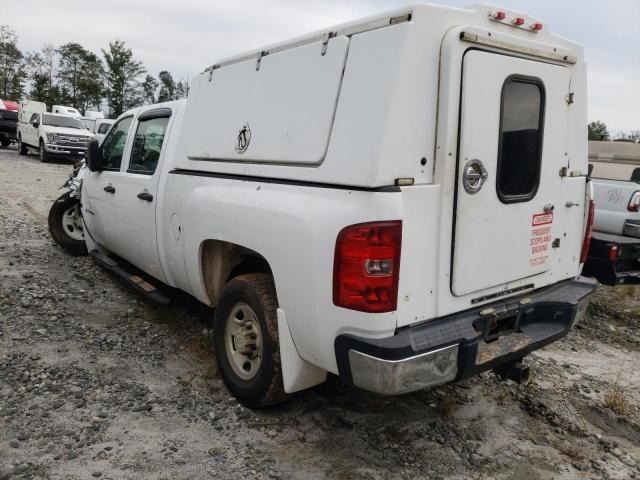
(94, 156)
(35, 124)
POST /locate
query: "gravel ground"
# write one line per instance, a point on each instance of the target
(95, 383)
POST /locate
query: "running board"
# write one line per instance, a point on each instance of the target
(134, 281)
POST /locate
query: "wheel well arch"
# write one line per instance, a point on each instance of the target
(222, 261)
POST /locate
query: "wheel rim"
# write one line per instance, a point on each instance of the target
(243, 341)
(72, 223)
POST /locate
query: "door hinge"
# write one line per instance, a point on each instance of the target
(259, 59)
(569, 98)
(564, 172)
(325, 42)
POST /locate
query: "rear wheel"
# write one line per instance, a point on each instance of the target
(65, 225)
(5, 142)
(44, 157)
(22, 148)
(246, 340)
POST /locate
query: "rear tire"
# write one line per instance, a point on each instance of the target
(22, 148)
(245, 333)
(44, 156)
(5, 142)
(65, 225)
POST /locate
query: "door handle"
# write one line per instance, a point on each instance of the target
(109, 189)
(145, 196)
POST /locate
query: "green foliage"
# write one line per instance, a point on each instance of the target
(72, 75)
(12, 72)
(598, 131)
(167, 87)
(149, 88)
(124, 88)
(80, 74)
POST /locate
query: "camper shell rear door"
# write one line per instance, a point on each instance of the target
(512, 219)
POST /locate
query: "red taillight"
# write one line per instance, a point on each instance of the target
(613, 253)
(536, 27)
(499, 16)
(366, 267)
(587, 234)
(518, 21)
(634, 203)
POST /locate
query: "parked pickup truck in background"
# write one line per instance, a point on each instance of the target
(614, 256)
(55, 136)
(369, 200)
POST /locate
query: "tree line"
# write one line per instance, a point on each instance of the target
(74, 76)
(598, 131)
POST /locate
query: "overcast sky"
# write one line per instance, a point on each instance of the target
(185, 36)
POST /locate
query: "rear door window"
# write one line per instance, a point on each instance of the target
(521, 129)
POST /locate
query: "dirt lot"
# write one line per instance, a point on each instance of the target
(95, 383)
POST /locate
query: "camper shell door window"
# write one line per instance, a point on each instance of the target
(520, 139)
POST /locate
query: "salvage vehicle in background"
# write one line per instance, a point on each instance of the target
(8, 122)
(55, 136)
(614, 256)
(64, 110)
(402, 201)
(101, 128)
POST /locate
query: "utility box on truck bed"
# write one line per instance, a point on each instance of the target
(402, 201)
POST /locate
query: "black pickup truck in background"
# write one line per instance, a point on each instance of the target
(8, 127)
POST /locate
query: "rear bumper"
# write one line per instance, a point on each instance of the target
(464, 344)
(631, 229)
(623, 269)
(8, 134)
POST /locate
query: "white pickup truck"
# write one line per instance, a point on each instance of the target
(401, 201)
(54, 136)
(614, 255)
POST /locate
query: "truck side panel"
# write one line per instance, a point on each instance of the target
(295, 229)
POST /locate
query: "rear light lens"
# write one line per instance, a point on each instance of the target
(518, 21)
(587, 234)
(613, 253)
(366, 267)
(634, 203)
(536, 27)
(499, 16)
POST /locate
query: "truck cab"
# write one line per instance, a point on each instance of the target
(402, 201)
(53, 135)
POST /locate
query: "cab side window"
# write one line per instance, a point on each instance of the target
(113, 145)
(147, 145)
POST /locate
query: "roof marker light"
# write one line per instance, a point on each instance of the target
(518, 21)
(499, 15)
(536, 27)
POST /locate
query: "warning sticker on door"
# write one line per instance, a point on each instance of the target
(540, 238)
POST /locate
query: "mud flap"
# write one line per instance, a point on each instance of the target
(297, 374)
